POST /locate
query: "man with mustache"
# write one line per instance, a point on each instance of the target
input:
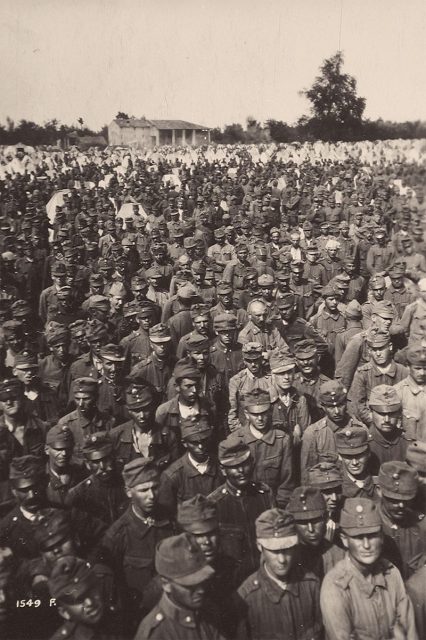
(364, 591)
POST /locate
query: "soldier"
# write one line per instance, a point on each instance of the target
(329, 321)
(364, 591)
(225, 352)
(48, 296)
(205, 291)
(354, 451)
(23, 432)
(141, 437)
(412, 393)
(309, 510)
(197, 471)
(257, 329)
(320, 436)
(102, 493)
(309, 378)
(377, 290)
(185, 577)
(254, 375)
(54, 369)
(381, 254)
(380, 370)
(226, 305)
(416, 591)
(404, 528)
(62, 472)
(314, 271)
(327, 477)
(280, 597)
(332, 262)
(201, 321)
(353, 316)
(86, 418)
(157, 368)
(271, 449)
(293, 328)
(129, 544)
(39, 398)
(137, 345)
(386, 439)
(397, 292)
(239, 501)
(290, 412)
(14, 341)
(111, 383)
(303, 290)
(415, 314)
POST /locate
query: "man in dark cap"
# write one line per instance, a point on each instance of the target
(330, 320)
(39, 398)
(62, 472)
(280, 597)
(397, 292)
(157, 368)
(309, 378)
(129, 544)
(377, 289)
(403, 527)
(102, 494)
(197, 471)
(354, 451)
(226, 305)
(387, 441)
(14, 341)
(137, 344)
(353, 316)
(141, 437)
(381, 254)
(111, 398)
(387, 612)
(412, 393)
(23, 432)
(327, 477)
(225, 352)
(293, 328)
(54, 369)
(302, 289)
(185, 577)
(201, 320)
(239, 501)
(48, 296)
(271, 448)
(320, 436)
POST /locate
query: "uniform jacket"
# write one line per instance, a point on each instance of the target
(239, 385)
(103, 501)
(286, 418)
(385, 450)
(34, 437)
(81, 427)
(413, 400)
(163, 448)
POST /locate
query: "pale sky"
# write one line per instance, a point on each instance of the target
(207, 61)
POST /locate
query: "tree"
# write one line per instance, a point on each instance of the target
(122, 116)
(336, 109)
(80, 122)
(280, 131)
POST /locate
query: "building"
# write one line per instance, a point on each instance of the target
(145, 134)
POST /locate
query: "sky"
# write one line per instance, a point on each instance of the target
(207, 61)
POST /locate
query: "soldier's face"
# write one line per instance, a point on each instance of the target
(283, 380)
(64, 548)
(200, 359)
(307, 365)
(356, 464)
(26, 376)
(386, 422)
(418, 373)
(381, 355)
(379, 293)
(140, 293)
(102, 468)
(239, 475)
(190, 597)
(258, 420)
(198, 448)
(31, 498)
(254, 366)
(279, 562)
(286, 313)
(267, 292)
(188, 390)
(161, 349)
(116, 303)
(330, 303)
(365, 549)
(227, 337)
(225, 299)
(112, 370)
(312, 532)
(59, 458)
(208, 543)
(60, 351)
(84, 402)
(88, 611)
(332, 498)
(142, 416)
(258, 315)
(336, 413)
(397, 282)
(202, 324)
(381, 323)
(11, 405)
(144, 495)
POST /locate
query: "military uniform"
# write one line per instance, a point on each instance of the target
(239, 385)
(413, 400)
(155, 371)
(163, 446)
(82, 426)
(310, 389)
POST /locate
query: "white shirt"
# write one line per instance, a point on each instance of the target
(187, 412)
(200, 466)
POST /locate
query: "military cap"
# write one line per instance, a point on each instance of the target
(138, 283)
(416, 354)
(250, 273)
(348, 261)
(25, 361)
(233, 451)
(60, 437)
(328, 291)
(12, 327)
(384, 398)
(20, 309)
(85, 384)
(305, 349)
(181, 560)
(398, 480)
(377, 338)
(224, 322)
(138, 396)
(71, 580)
(332, 244)
(200, 310)
(197, 515)
(196, 427)
(252, 350)
(353, 310)
(127, 242)
(384, 309)
(223, 288)
(416, 456)
(306, 503)
(159, 333)
(58, 269)
(332, 393)
(139, 471)
(352, 441)
(97, 445)
(377, 282)
(186, 291)
(98, 302)
(396, 271)
(307, 226)
(282, 276)
(256, 401)
(131, 309)
(113, 352)
(342, 279)
(146, 309)
(177, 231)
(57, 334)
(78, 328)
(185, 369)
(26, 471)
(344, 225)
(96, 330)
(280, 361)
(265, 280)
(189, 243)
(219, 233)
(154, 272)
(276, 529)
(296, 265)
(197, 343)
(53, 528)
(360, 516)
(286, 301)
(312, 248)
(325, 475)
(10, 388)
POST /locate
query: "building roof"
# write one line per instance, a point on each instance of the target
(159, 124)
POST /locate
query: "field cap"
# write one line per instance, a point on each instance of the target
(181, 560)
(276, 529)
(360, 516)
